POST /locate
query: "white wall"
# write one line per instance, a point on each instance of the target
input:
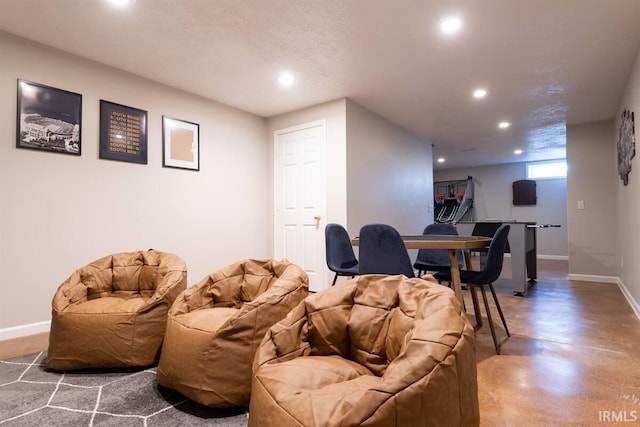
(628, 197)
(59, 212)
(591, 179)
(493, 198)
(389, 174)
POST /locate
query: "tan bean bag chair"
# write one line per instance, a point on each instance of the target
(113, 312)
(215, 327)
(373, 351)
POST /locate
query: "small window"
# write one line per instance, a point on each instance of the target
(547, 170)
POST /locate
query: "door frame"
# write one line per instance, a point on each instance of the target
(323, 271)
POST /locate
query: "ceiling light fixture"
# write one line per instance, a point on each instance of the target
(120, 3)
(286, 79)
(441, 160)
(450, 25)
(504, 125)
(518, 152)
(479, 93)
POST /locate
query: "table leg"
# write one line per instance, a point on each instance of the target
(476, 307)
(455, 275)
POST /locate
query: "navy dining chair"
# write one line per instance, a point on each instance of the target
(485, 229)
(485, 277)
(340, 256)
(436, 259)
(382, 251)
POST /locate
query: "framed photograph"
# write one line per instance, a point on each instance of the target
(48, 119)
(180, 144)
(123, 133)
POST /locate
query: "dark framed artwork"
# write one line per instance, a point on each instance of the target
(180, 144)
(48, 119)
(626, 145)
(524, 192)
(123, 133)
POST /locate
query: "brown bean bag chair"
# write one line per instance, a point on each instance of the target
(113, 312)
(215, 327)
(372, 351)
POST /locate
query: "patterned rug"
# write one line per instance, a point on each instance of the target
(32, 396)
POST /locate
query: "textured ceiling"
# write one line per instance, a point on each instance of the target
(545, 63)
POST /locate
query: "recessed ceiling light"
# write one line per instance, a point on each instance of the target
(286, 79)
(479, 93)
(120, 3)
(504, 125)
(441, 160)
(450, 25)
(518, 151)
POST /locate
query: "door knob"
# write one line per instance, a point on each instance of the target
(317, 217)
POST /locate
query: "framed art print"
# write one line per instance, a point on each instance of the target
(48, 119)
(123, 133)
(180, 144)
(626, 145)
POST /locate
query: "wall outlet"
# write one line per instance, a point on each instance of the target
(580, 204)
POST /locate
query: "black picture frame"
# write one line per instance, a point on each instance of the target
(48, 119)
(123, 133)
(180, 144)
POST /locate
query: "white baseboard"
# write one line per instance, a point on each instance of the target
(632, 302)
(592, 278)
(24, 330)
(557, 257)
(610, 279)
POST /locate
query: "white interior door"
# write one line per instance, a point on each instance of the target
(300, 199)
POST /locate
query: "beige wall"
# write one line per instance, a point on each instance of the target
(376, 171)
(591, 178)
(59, 212)
(493, 198)
(389, 174)
(628, 197)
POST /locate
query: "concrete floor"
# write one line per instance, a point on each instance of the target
(573, 357)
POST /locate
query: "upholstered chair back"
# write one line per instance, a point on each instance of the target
(113, 311)
(375, 350)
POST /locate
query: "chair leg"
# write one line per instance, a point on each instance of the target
(334, 279)
(483, 259)
(490, 320)
(495, 298)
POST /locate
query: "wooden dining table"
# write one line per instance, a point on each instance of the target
(450, 243)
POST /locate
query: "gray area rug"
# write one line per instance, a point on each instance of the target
(32, 396)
